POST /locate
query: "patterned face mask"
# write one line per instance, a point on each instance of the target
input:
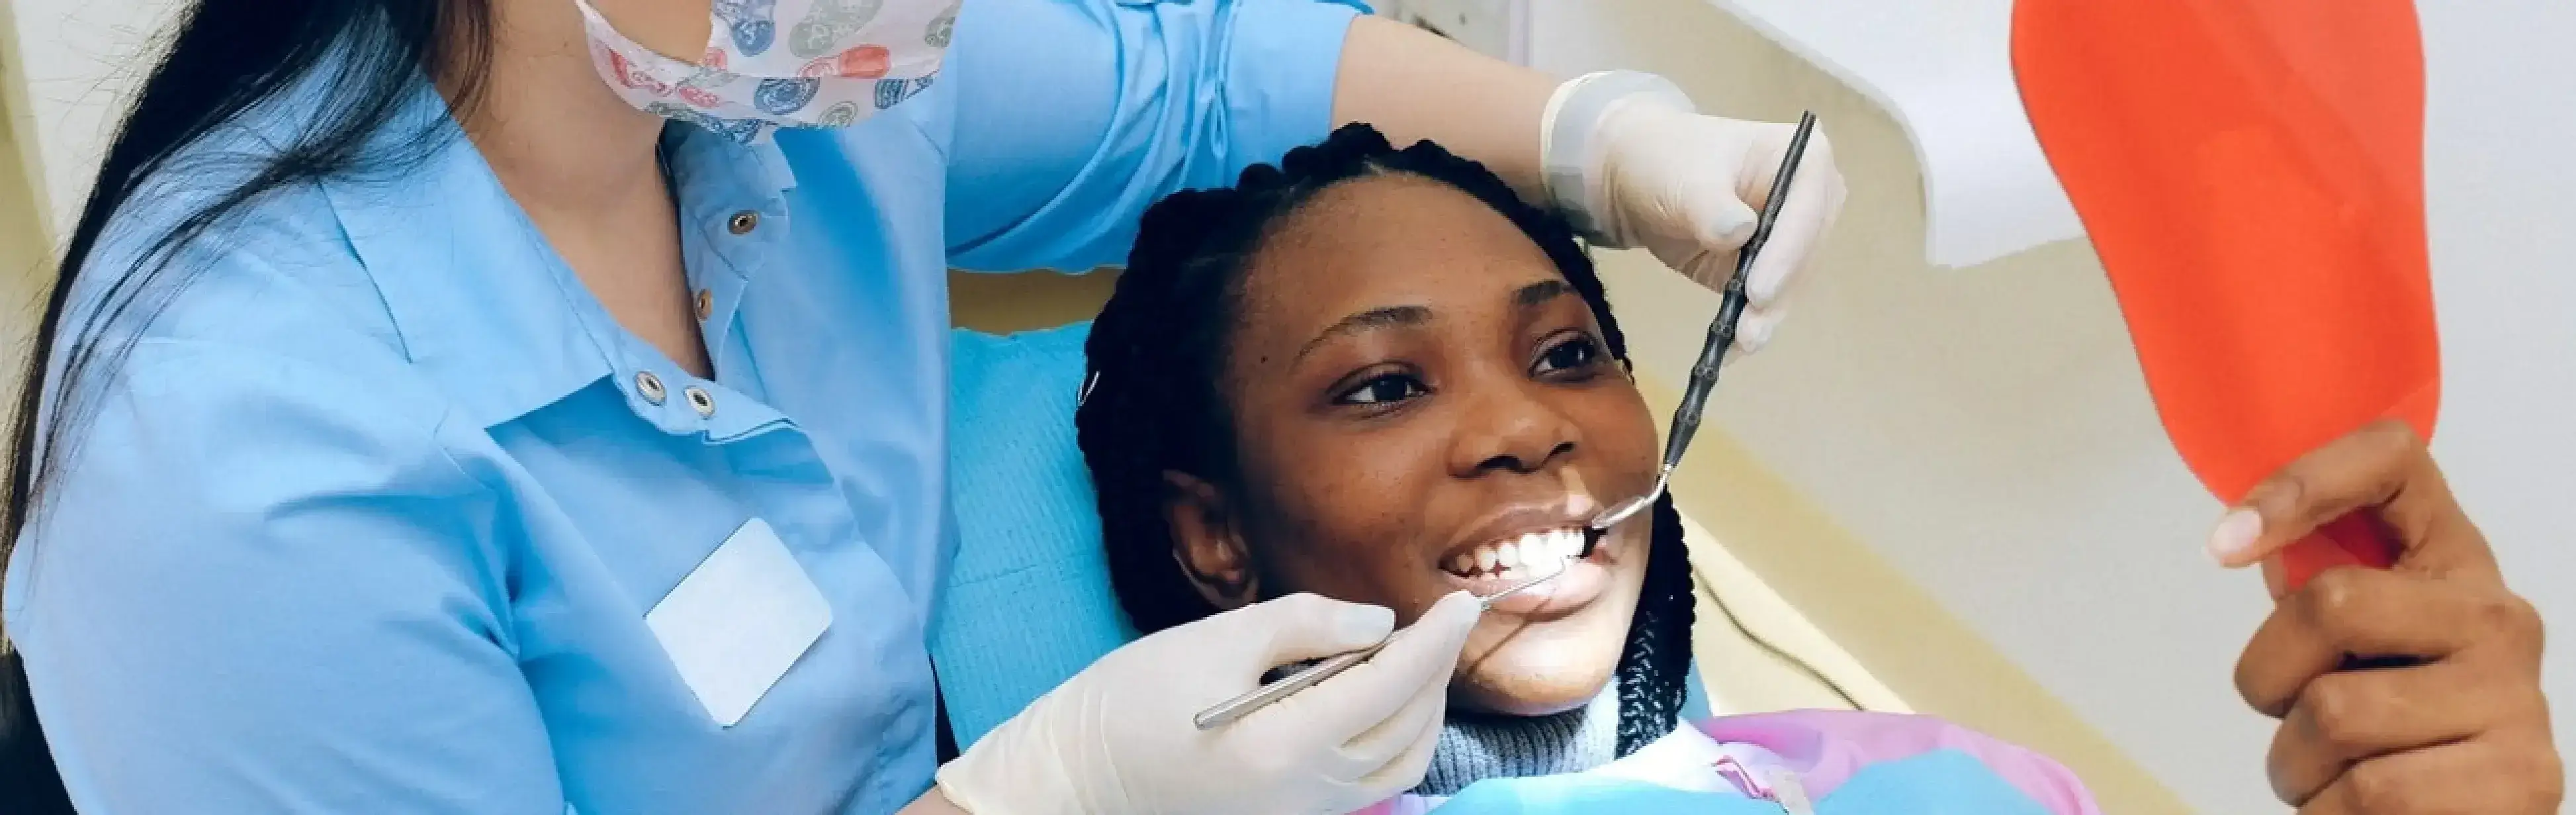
(782, 63)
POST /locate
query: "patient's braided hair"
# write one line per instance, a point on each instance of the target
(1157, 353)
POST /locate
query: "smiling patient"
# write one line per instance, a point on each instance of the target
(1359, 376)
(1377, 375)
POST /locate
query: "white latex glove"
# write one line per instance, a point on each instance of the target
(1636, 167)
(1118, 739)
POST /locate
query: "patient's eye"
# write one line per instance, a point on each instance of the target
(1574, 354)
(1383, 389)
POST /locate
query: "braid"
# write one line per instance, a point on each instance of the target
(1654, 669)
(1156, 355)
(1152, 406)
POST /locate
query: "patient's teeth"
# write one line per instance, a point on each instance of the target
(1529, 555)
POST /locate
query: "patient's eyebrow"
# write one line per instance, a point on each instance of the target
(1385, 317)
(1540, 292)
(1530, 296)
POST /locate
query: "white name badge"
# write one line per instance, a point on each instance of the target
(737, 623)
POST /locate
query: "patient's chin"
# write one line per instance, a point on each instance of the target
(1530, 672)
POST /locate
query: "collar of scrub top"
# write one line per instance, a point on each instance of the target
(479, 299)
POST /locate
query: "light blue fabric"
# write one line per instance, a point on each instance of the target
(1583, 794)
(1942, 782)
(1027, 602)
(372, 517)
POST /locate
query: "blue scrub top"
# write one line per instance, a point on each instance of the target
(374, 513)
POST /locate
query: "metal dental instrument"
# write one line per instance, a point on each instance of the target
(1721, 336)
(1230, 710)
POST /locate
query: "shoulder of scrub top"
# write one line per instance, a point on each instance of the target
(276, 271)
(274, 278)
(261, 482)
(271, 296)
(270, 308)
(252, 371)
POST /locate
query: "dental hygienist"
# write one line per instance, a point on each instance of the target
(521, 406)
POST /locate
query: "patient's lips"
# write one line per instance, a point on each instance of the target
(1511, 559)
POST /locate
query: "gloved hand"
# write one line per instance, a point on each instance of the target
(1627, 156)
(1118, 739)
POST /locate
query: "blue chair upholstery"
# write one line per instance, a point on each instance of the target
(1027, 602)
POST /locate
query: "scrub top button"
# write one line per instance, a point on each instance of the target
(706, 304)
(700, 399)
(650, 386)
(742, 223)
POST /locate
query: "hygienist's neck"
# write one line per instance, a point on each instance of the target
(564, 145)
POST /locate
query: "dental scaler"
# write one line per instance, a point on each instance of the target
(1721, 336)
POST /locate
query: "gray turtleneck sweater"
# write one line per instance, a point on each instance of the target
(1477, 746)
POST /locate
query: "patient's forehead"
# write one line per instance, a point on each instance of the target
(1388, 240)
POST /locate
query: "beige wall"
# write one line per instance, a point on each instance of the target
(1811, 588)
(25, 248)
(1004, 303)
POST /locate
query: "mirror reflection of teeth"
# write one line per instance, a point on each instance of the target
(1518, 557)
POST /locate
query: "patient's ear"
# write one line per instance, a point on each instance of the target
(1206, 544)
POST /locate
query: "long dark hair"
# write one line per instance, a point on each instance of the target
(1156, 353)
(224, 58)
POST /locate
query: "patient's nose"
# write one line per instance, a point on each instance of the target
(1510, 428)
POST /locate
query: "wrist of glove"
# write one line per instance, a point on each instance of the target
(1629, 160)
(1118, 738)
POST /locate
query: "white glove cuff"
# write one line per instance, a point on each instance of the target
(1569, 140)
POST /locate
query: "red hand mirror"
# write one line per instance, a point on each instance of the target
(2251, 174)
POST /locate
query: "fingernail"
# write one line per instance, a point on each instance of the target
(2235, 534)
(1730, 227)
(1756, 335)
(1468, 609)
(1363, 623)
